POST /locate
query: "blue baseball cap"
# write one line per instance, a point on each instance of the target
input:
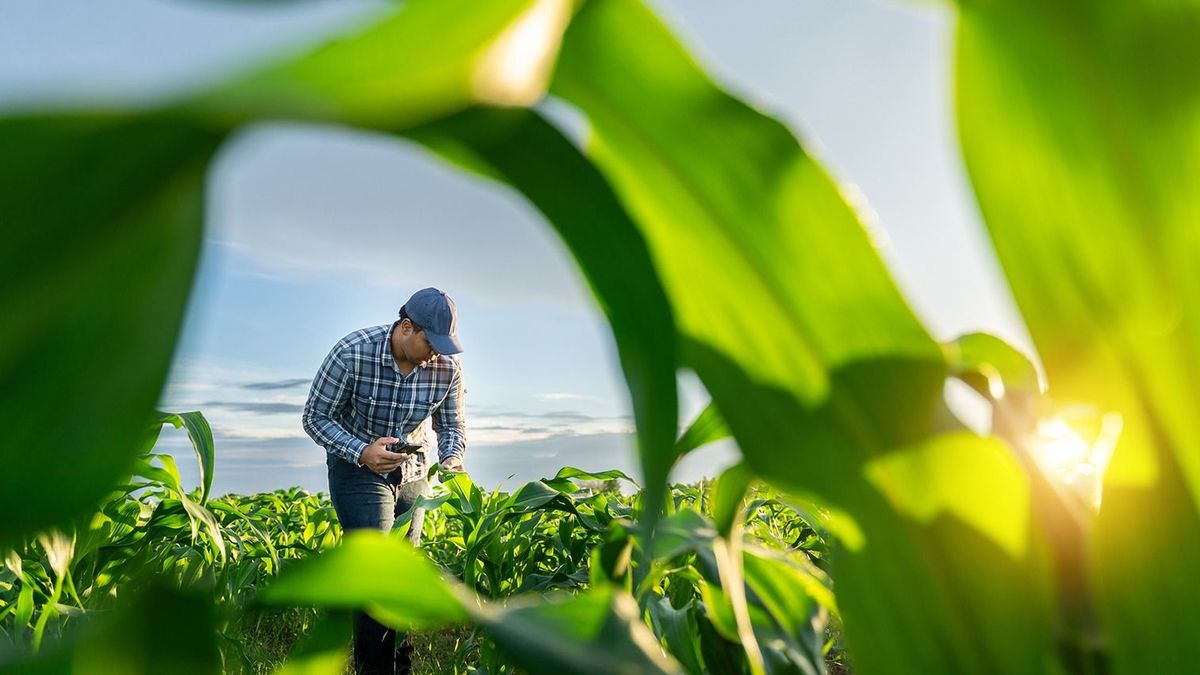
(434, 312)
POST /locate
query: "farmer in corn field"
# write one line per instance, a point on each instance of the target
(367, 407)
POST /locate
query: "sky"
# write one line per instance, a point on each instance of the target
(315, 231)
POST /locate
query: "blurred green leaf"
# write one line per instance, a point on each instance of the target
(708, 427)
(134, 206)
(163, 630)
(424, 60)
(373, 570)
(991, 366)
(24, 606)
(59, 549)
(325, 650)
(599, 632)
(925, 482)
(679, 631)
(1079, 126)
(611, 559)
(520, 148)
(103, 219)
(728, 496)
(811, 354)
(715, 185)
(796, 624)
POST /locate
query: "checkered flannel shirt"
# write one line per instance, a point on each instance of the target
(359, 395)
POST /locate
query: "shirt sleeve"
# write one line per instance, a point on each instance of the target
(330, 393)
(449, 422)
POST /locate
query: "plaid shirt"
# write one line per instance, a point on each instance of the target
(359, 395)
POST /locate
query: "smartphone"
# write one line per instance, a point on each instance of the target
(404, 448)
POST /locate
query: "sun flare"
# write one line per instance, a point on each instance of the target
(1068, 457)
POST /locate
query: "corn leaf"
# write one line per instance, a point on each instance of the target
(200, 434)
(679, 631)
(95, 289)
(326, 649)
(521, 149)
(708, 427)
(372, 570)
(599, 632)
(162, 630)
(425, 60)
(98, 281)
(815, 361)
(1080, 125)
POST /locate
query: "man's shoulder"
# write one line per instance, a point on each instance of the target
(363, 339)
(445, 363)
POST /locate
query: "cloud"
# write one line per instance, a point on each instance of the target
(563, 396)
(278, 384)
(522, 430)
(257, 407)
(555, 415)
(566, 415)
(344, 184)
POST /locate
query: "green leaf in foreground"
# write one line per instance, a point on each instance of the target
(599, 632)
(708, 427)
(325, 650)
(163, 630)
(991, 366)
(1079, 127)
(523, 150)
(813, 357)
(728, 497)
(802, 338)
(421, 61)
(372, 570)
(102, 221)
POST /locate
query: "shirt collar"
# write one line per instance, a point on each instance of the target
(386, 357)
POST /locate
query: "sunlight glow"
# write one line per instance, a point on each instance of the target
(1068, 458)
(515, 69)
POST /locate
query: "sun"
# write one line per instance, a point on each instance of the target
(1073, 450)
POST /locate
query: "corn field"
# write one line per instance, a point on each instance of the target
(866, 526)
(556, 537)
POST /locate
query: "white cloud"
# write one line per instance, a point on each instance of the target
(565, 396)
(303, 199)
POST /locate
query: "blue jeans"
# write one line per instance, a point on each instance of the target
(364, 499)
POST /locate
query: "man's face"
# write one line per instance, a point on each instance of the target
(417, 347)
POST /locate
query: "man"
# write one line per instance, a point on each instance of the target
(367, 407)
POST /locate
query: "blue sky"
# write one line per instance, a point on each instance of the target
(317, 231)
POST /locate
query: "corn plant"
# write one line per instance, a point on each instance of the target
(153, 529)
(554, 535)
(713, 242)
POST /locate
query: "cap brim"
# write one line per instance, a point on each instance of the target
(444, 344)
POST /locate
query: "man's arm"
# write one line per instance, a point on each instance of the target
(450, 425)
(331, 391)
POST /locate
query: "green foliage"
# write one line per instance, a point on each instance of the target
(528, 153)
(480, 549)
(712, 241)
(1079, 129)
(59, 586)
(104, 272)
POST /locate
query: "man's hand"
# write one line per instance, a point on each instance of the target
(453, 464)
(379, 459)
